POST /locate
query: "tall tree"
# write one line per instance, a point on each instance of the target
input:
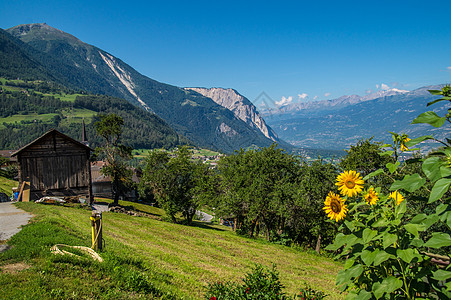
(115, 154)
(175, 182)
(256, 184)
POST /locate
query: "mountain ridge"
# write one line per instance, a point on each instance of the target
(336, 103)
(338, 128)
(83, 66)
(240, 106)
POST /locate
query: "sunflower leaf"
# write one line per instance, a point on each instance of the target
(436, 92)
(382, 222)
(400, 210)
(442, 275)
(392, 167)
(439, 189)
(381, 257)
(363, 295)
(388, 285)
(368, 256)
(372, 174)
(368, 235)
(414, 228)
(431, 118)
(441, 208)
(445, 171)
(346, 275)
(418, 140)
(339, 241)
(410, 183)
(438, 240)
(417, 243)
(389, 239)
(431, 168)
(435, 101)
(387, 153)
(406, 255)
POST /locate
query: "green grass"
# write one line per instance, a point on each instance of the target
(76, 115)
(142, 153)
(68, 97)
(144, 254)
(205, 152)
(30, 117)
(134, 206)
(6, 185)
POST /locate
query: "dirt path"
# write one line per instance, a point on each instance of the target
(11, 220)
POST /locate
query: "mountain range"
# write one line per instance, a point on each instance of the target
(51, 54)
(216, 118)
(341, 122)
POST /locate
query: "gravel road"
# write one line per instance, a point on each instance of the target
(11, 220)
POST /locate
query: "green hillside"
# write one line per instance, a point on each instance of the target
(145, 258)
(17, 60)
(30, 108)
(82, 66)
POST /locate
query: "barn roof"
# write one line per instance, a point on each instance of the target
(52, 132)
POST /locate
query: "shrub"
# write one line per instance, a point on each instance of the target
(260, 283)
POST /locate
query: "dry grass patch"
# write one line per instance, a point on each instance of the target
(14, 268)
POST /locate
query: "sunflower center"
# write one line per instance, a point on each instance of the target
(335, 206)
(350, 184)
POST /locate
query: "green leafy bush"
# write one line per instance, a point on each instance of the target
(260, 283)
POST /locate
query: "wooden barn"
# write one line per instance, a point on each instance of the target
(55, 165)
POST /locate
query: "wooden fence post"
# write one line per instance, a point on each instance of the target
(96, 230)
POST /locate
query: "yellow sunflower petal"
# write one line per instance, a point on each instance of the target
(335, 207)
(396, 196)
(371, 196)
(349, 183)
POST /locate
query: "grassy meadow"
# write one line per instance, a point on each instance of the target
(144, 257)
(6, 185)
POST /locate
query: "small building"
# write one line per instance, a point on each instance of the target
(55, 165)
(102, 185)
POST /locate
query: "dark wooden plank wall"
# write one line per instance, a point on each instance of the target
(55, 163)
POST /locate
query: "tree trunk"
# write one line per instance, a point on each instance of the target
(318, 244)
(257, 229)
(251, 230)
(115, 188)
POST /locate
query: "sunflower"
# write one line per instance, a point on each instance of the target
(403, 144)
(335, 207)
(371, 196)
(396, 196)
(349, 183)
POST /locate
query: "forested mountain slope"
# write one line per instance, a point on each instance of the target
(82, 66)
(29, 109)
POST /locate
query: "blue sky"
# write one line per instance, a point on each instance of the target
(301, 49)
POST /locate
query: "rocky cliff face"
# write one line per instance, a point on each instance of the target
(240, 106)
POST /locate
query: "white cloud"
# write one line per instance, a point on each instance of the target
(448, 68)
(302, 96)
(384, 87)
(368, 91)
(316, 97)
(327, 94)
(377, 86)
(284, 101)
